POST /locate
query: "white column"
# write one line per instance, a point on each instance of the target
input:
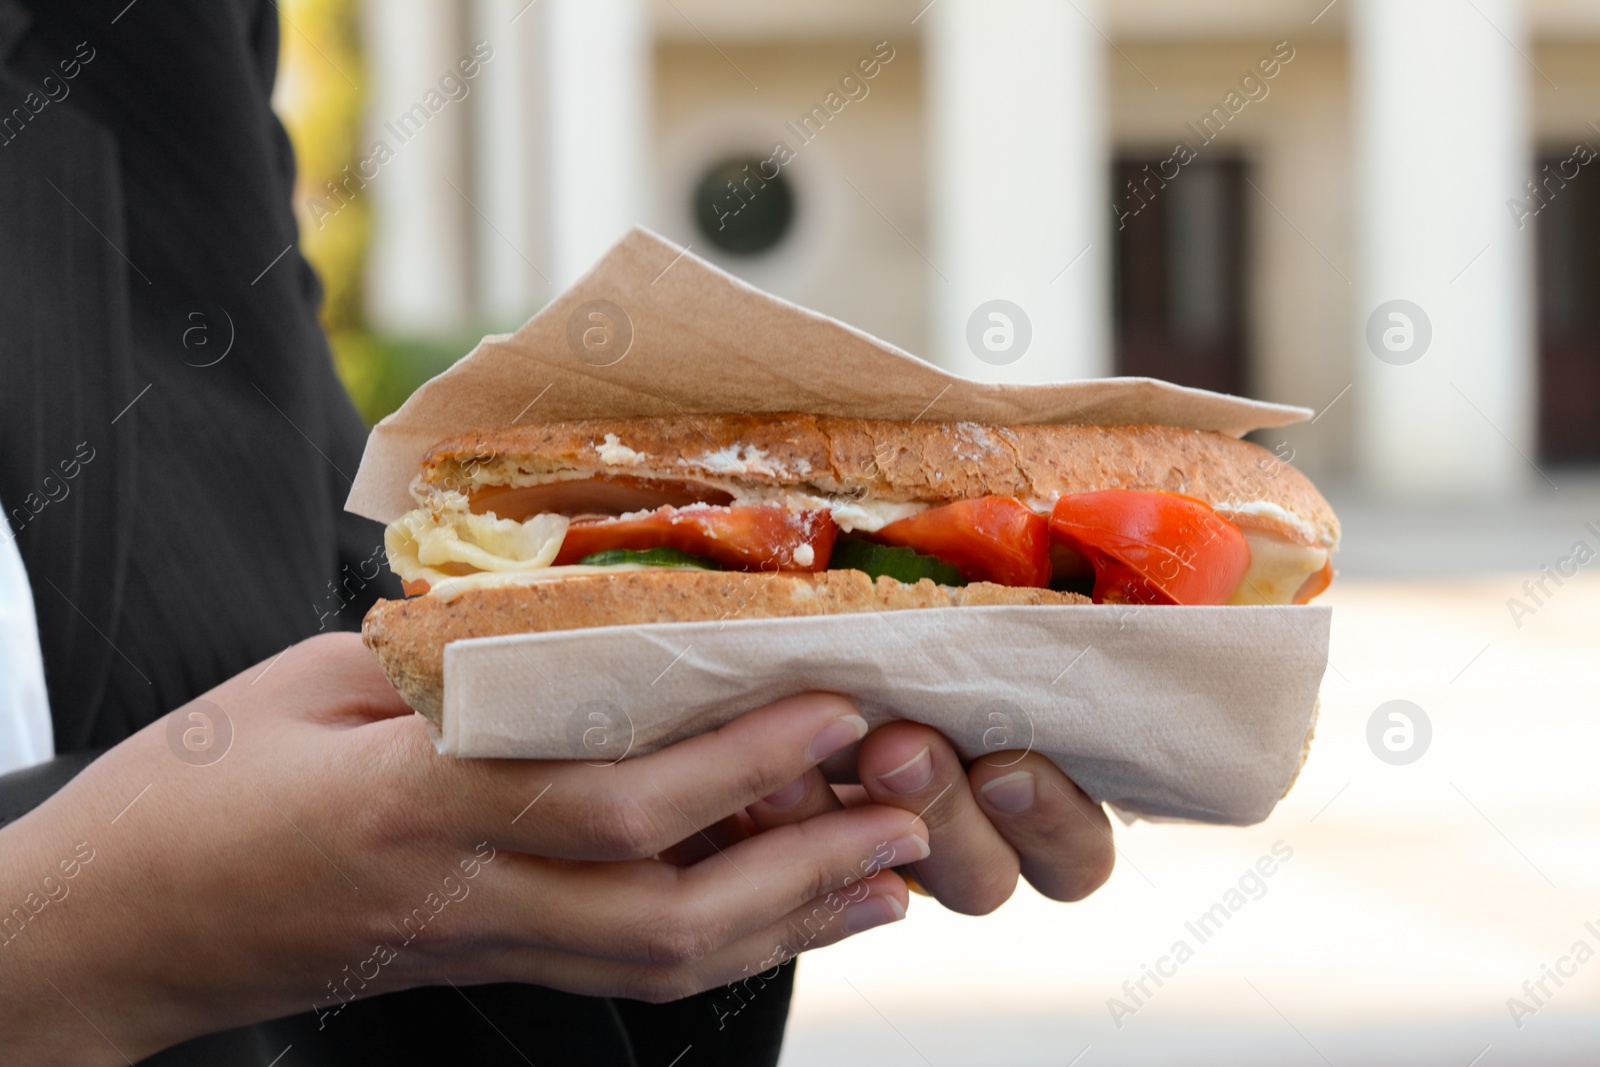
(1018, 163)
(1442, 141)
(598, 86)
(509, 181)
(417, 264)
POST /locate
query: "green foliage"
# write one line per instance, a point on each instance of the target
(381, 371)
(320, 98)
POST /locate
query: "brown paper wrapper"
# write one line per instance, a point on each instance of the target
(1194, 713)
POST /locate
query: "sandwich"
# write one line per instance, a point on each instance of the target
(613, 522)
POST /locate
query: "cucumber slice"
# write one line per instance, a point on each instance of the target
(648, 557)
(901, 564)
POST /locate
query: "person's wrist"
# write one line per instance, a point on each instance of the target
(40, 1023)
(66, 980)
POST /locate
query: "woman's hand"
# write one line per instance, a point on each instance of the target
(332, 854)
(1007, 813)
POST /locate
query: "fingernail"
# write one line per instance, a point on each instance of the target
(874, 911)
(1012, 794)
(840, 733)
(907, 849)
(911, 776)
(789, 795)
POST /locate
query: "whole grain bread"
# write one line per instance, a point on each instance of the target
(408, 636)
(928, 462)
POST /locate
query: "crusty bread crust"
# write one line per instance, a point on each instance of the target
(928, 462)
(408, 636)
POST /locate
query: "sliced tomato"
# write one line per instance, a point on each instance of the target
(990, 539)
(414, 586)
(1152, 548)
(761, 537)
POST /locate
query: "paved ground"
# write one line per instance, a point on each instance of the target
(1418, 899)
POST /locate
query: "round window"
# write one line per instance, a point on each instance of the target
(741, 210)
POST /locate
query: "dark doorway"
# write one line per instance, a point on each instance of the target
(1180, 270)
(1568, 243)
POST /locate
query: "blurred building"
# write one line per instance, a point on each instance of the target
(1385, 211)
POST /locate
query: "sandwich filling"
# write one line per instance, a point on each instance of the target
(1118, 545)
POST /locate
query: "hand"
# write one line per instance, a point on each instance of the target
(1005, 814)
(332, 854)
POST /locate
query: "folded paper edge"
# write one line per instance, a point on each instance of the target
(1127, 813)
(399, 448)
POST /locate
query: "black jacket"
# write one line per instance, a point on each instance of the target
(175, 450)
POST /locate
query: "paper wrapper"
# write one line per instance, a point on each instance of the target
(1181, 712)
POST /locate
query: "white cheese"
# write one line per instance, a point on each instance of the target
(1278, 568)
(1267, 509)
(868, 516)
(736, 459)
(427, 540)
(614, 453)
(1043, 505)
(850, 513)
